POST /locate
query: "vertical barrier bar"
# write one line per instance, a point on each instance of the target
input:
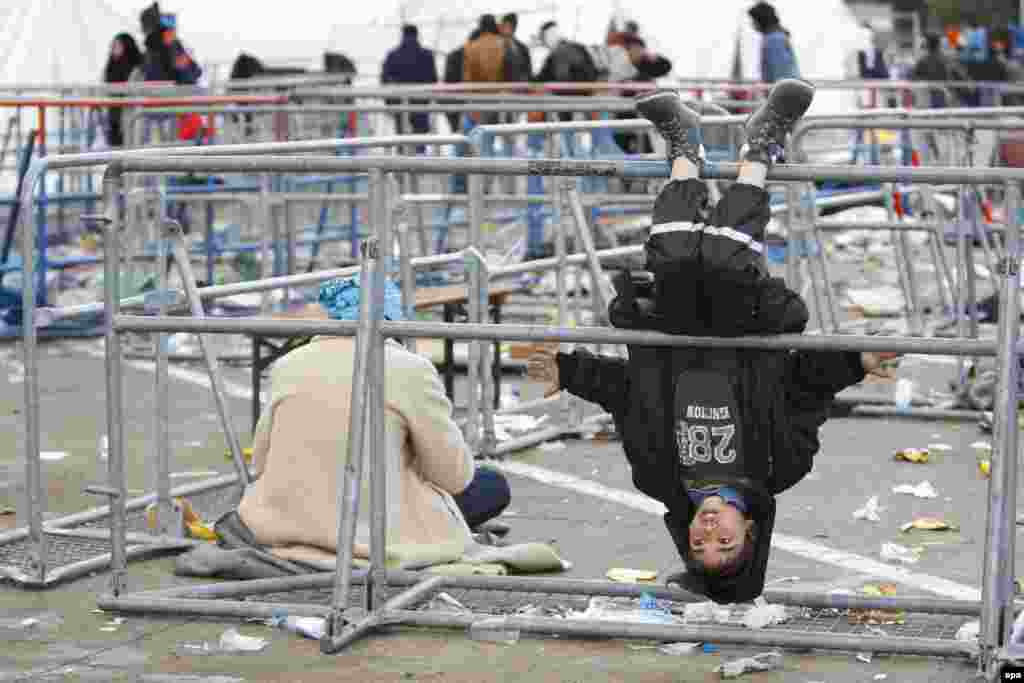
(998, 571)
(289, 241)
(820, 259)
(351, 470)
(476, 218)
(562, 185)
(266, 214)
(162, 508)
(598, 291)
(806, 214)
(487, 360)
(905, 265)
(188, 280)
(408, 275)
(377, 450)
(793, 277)
(113, 185)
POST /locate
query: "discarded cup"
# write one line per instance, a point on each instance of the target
(310, 627)
(904, 394)
(894, 552)
(494, 630)
(678, 648)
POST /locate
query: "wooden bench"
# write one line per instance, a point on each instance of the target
(453, 299)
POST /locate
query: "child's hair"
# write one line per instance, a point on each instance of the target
(730, 567)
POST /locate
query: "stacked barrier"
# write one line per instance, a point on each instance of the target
(996, 607)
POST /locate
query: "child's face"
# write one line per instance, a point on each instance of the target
(718, 532)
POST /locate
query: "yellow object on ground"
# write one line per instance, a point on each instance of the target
(246, 454)
(915, 455)
(623, 575)
(928, 524)
(985, 467)
(193, 524)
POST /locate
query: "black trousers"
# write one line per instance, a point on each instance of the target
(710, 276)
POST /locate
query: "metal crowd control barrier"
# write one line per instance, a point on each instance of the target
(996, 606)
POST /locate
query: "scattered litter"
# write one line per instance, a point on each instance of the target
(985, 467)
(194, 444)
(903, 396)
(869, 511)
(928, 524)
(882, 301)
(678, 648)
(53, 455)
(706, 611)
(762, 614)
(310, 627)
(981, 446)
(623, 575)
(710, 648)
(881, 677)
(939, 447)
(493, 630)
(969, 631)
(765, 661)
(193, 523)
(604, 608)
(894, 552)
(246, 455)
(864, 657)
(877, 617)
(108, 629)
(103, 452)
(29, 622)
(922, 490)
(915, 455)
(551, 446)
(233, 641)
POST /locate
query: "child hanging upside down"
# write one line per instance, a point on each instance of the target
(714, 433)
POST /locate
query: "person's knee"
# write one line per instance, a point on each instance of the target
(499, 494)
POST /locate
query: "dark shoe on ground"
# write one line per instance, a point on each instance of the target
(678, 124)
(769, 125)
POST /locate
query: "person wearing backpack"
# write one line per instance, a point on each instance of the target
(713, 433)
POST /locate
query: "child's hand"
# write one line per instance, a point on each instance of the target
(542, 367)
(879, 363)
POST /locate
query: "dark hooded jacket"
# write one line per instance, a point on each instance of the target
(118, 70)
(776, 401)
(410, 62)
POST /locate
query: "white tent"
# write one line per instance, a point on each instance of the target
(56, 41)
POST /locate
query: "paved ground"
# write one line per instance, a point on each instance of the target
(819, 545)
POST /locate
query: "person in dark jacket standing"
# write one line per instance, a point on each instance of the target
(714, 433)
(453, 65)
(935, 66)
(125, 57)
(410, 62)
(518, 62)
(649, 66)
(778, 60)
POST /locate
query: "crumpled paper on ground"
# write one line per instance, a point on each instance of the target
(922, 490)
(764, 661)
(603, 608)
(869, 511)
(969, 631)
(762, 614)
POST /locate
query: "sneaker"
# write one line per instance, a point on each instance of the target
(769, 125)
(678, 124)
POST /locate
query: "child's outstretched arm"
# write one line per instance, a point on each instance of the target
(599, 379)
(812, 380)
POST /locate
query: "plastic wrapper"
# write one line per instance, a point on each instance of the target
(706, 611)
(765, 661)
(233, 641)
(922, 490)
(894, 552)
(625, 575)
(869, 511)
(914, 455)
(928, 524)
(762, 614)
(969, 631)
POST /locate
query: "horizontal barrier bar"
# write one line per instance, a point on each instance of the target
(560, 167)
(122, 102)
(712, 634)
(905, 227)
(539, 333)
